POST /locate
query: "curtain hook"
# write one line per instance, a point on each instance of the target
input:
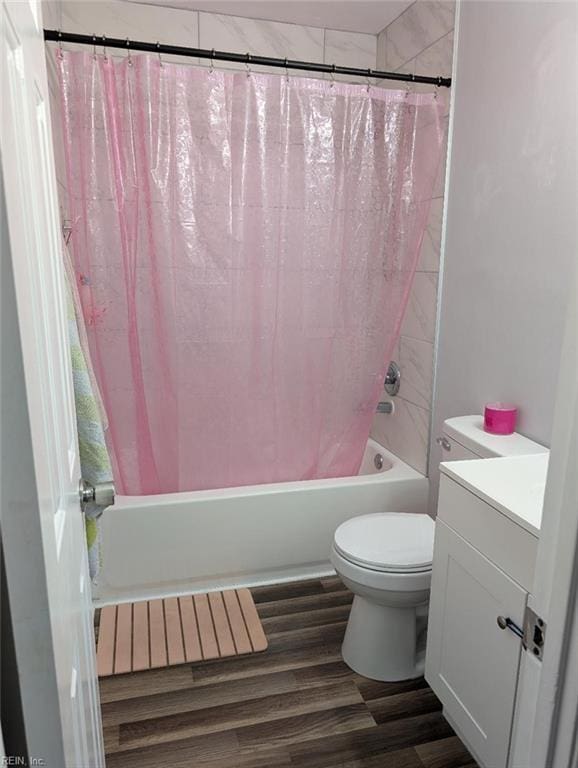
(128, 49)
(409, 84)
(159, 53)
(286, 71)
(406, 88)
(66, 230)
(368, 80)
(332, 75)
(59, 52)
(94, 47)
(212, 67)
(248, 55)
(104, 46)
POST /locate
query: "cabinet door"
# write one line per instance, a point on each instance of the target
(471, 663)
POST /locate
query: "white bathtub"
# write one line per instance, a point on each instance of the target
(185, 542)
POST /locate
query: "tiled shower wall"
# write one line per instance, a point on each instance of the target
(198, 29)
(212, 30)
(419, 41)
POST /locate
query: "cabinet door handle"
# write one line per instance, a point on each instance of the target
(505, 622)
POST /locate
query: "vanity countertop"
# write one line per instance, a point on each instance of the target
(513, 485)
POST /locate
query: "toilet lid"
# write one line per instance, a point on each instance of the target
(392, 541)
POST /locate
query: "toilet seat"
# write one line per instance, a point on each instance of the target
(387, 542)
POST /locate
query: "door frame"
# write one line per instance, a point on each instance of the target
(545, 731)
(555, 595)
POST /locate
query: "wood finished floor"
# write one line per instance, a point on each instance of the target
(295, 705)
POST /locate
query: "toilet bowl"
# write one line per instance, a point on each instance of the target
(386, 560)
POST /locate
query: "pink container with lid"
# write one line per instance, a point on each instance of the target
(500, 418)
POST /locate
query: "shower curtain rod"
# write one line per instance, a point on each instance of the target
(55, 35)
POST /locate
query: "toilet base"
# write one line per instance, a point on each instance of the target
(381, 642)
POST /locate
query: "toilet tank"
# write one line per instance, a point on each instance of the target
(464, 437)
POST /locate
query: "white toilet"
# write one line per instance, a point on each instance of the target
(386, 560)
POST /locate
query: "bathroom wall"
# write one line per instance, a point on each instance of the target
(419, 41)
(511, 234)
(211, 30)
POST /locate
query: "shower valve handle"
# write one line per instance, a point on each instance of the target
(392, 381)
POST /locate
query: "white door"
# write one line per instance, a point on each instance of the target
(472, 664)
(41, 525)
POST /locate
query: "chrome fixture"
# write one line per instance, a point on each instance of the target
(101, 494)
(504, 622)
(384, 408)
(392, 379)
(378, 461)
(533, 635)
(444, 443)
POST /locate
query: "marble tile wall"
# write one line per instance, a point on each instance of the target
(419, 41)
(213, 30)
(414, 39)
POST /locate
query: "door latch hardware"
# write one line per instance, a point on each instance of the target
(534, 634)
(101, 494)
(505, 622)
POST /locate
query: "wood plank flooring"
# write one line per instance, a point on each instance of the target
(297, 705)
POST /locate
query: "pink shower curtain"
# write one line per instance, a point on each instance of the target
(244, 248)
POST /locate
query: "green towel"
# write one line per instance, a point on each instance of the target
(94, 459)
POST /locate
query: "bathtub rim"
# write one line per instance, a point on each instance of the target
(407, 484)
(399, 470)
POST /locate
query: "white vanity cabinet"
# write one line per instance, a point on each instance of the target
(483, 567)
(472, 664)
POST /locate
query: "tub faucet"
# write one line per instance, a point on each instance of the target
(384, 408)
